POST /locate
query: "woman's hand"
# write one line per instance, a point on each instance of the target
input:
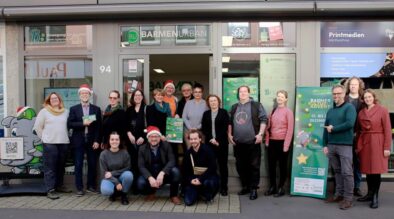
(386, 153)
(214, 142)
(140, 141)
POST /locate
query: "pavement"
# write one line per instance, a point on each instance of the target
(232, 206)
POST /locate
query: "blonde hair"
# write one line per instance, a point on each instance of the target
(47, 101)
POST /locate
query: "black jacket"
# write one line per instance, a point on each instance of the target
(221, 125)
(144, 158)
(75, 122)
(117, 122)
(204, 157)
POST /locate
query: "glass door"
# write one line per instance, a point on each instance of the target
(135, 75)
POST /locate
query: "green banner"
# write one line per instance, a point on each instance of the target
(230, 88)
(174, 130)
(309, 163)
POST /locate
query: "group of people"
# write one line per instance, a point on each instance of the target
(133, 152)
(356, 139)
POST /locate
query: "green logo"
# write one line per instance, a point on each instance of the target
(132, 36)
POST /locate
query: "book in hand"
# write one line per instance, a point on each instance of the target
(89, 118)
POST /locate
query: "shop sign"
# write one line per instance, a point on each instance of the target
(343, 65)
(56, 69)
(357, 34)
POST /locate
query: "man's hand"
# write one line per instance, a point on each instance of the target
(214, 142)
(152, 182)
(329, 128)
(195, 182)
(87, 122)
(95, 145)
(325, 150)
(119, 187)
(160, 178)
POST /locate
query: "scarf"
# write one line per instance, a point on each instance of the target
(109, 110)
(54, 111)
(164, 109)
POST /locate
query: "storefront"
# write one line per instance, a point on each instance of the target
(267, 52)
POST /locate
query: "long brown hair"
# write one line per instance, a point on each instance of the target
(361, 85)
(375, 99)
(47, 101)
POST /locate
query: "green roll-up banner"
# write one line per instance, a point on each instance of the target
(309, 163)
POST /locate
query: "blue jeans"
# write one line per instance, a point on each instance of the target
(91, 155)
(54, 159)
(173, 179)
(207, 189)
(126, 179)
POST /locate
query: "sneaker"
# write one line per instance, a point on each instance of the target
(63, 189)
(80, 193)
(92, 190)
(345, 204)
(52, 194)
(175, 200)
(334, 199)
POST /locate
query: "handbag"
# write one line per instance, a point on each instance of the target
(198, 171)
(385, 96)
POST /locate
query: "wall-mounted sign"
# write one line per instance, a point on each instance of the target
(55, 69)
(148, 36)
(239, 30)
(357, 34)
(342, 65)
(186, 34)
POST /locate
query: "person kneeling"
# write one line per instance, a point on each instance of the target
(199, 171)
(115, 170)
(156, 163)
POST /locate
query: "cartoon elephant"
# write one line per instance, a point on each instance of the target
(22, 126)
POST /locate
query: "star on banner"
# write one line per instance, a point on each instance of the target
(302, 159)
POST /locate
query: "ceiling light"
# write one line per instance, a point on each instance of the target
(158, 70)
(227, 40)
(140, 60)
(226, 59)
(224, 70)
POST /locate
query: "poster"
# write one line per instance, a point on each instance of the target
(309, 163)
(11, 148)
(277, 72)
(230, 88)
(174, 130)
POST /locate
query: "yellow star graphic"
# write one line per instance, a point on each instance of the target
(302, 159)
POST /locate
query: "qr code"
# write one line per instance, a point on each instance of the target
(11, 147)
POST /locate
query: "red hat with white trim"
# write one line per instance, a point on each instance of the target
(85, 87)
(169, 83)
(152, 130)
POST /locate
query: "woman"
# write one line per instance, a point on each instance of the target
(114, 119)
(214, 126)
(373, 144)
(51, 127)
(115, 170)
(136, 126)
(157, 112)
(194, 109)
(277, 140)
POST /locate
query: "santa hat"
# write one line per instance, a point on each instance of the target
(85, 87)
(25, 112)
(152, 130)
(169, 83)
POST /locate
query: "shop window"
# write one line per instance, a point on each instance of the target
(165, 35)
(43, 76)
(259, 34)
(133, 73)
(50, 37)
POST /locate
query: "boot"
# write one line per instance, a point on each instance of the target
(123, 198)
(375, 201)
(367, 197)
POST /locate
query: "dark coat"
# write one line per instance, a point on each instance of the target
(139, 117)
(144, 158)
(156, 118)
(75, 122)
(116, 122)
(373, 137)
(221, 125)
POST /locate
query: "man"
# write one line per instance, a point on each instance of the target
(248, 122)
(205, 182)
(354, 91)
(337, 142)
(85, 121)
(156, 163)
(186, 95)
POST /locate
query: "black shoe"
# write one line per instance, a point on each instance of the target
(375, 201)
(357, 192)
(244, 191)
(281, 192)
(366, 198)
(63, 189)
(223, 192)
(112, 197)
(270, 191)
(123, 198)
(253, 194)
(52, 194)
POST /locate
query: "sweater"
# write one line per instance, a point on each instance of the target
(114, 162)
(342, 118)
(280, 126)
(192, 113)
(50, 128)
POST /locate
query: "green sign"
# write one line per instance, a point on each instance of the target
(230, 88)
(310, 164)
(174, 130)
(132, 36)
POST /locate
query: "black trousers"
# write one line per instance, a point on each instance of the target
(221, 153)
(247, 162)
(275, 155)
(373, 182)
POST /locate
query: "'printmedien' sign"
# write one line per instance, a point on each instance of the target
(357, 34)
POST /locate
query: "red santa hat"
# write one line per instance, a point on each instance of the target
(168, 83)
(152, 130)
(85, 87)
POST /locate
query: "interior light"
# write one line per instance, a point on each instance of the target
(227, 40)
(224, 70)
(158, 70)
(226, 59)
(140, 60)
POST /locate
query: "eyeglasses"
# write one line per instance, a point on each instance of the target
(113, 98)
(186, 90)
(54, 98)
(336, 94)
(198, 92)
